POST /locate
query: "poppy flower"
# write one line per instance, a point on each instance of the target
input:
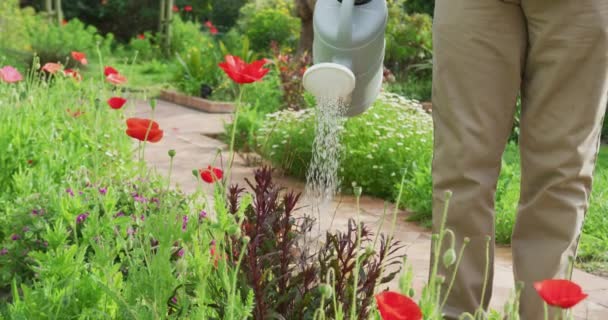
(9, 74)
(211, 174)
(80, 57)
(64, 22)
(72, 73)
(109, 70)
(212, 28)
(116, 79)
(175, 8)
(188, 8)
(242, 72)
(51, 67)
(116, 102)
(395, 306)
(141, 36)
(564, 294)
(138, 128)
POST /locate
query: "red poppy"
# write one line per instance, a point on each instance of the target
(138, 128)
(116, 79)
(175, 8)
(212, 28)
(243, 73)
(64, 22)
(9, 74)
(51, 67)
(188, 8)
(216, 257)
(211, 174)
(116, 102)
(109, 70)
(564, 294)
(141, 36)
(80, 57)
(395, 306)
(72, 73)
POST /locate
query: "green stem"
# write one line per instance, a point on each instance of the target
(447, 293)
(234, 281)
(438, 244)
(546, 308)
(233, 136)
(486, 271)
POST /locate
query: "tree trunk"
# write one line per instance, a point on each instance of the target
(305, 12)
(58, 12)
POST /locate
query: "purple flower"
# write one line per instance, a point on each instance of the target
(139, 198)
(143, 218)
(103, 191)
(46, 244)
(155, 200)
(35, 212)
(180, 253)
(26, 229)
(69, 191)
(130, 231)
(15, 237)
(82, 217)
(3, 252)
(80, 193)
(174, 300)
(202, 215)
(184, 223)
(119, 214)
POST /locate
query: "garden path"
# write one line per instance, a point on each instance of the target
(190, 133)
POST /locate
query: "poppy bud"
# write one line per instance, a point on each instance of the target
(172, 153)
(358, 191)
(449, 258)
(195, 173)
(153, 104)
(326, 290)
(411, 293)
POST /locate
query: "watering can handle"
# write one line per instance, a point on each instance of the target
(345, 29)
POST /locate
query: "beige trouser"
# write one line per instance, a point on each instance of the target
(485, 52)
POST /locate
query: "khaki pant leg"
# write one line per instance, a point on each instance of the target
(479, 48)
(564, 100)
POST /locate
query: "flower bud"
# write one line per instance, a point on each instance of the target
(358, 191)
(171, 153)
(449, 258)
(411, 293)
(326, 290)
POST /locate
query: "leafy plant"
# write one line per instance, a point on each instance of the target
(268, 25)
(286, 272)
(291, 71)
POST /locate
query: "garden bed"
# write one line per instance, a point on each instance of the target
(196, 103)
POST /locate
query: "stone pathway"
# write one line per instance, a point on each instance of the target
(188, 132)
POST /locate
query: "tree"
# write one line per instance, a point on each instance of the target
(306, 10)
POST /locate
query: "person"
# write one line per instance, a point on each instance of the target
(554, 55)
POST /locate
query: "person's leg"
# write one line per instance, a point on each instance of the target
(479, 49)
(563, 100)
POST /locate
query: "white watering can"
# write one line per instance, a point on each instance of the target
(348, 52)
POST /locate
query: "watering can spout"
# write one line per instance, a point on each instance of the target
(348, 52)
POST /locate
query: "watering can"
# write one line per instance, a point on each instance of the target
(348, 52)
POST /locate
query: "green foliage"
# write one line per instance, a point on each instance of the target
(14, 36)
(414, 87)
(226, 12)
(268, 25)
(145, 49)
(86, 231)
(419, 6)
(54, 43)
(394, 136)
(408, 39)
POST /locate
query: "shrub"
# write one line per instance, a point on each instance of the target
(54, 43)
(394, 136)
(226, 12)
(419, 6)
(15, 43)
(268, 25)
(408, 39)
(414, 87)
